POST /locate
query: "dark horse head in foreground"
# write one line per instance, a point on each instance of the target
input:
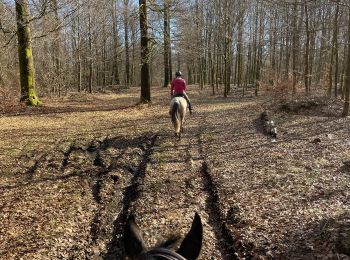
(189, 249)
(178, 106)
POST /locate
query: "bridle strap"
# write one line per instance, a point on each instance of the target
(166, 254)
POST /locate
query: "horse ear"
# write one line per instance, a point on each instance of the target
(192, 243)
(133, 242)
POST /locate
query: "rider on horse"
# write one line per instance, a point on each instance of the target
(178, 87)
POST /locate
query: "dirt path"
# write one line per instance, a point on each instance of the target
(168, 187)
(173, 189)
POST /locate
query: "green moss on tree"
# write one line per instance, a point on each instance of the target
(25, 55)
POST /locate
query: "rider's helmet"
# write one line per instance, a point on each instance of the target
(178, 74)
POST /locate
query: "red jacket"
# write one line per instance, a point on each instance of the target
(178, 86)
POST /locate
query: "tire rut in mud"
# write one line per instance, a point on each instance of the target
(114, 167)
(114, 248)
(230, 246)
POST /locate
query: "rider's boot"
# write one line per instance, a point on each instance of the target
(190, 107)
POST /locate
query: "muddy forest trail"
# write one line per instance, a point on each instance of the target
(70, 175)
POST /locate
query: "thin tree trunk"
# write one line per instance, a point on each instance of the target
(347, 80)
(311, 57)
(294, 55)
(104, 56)
(170, 54)
(307, 51)
(116, 79)
(145, 54)
(226, 49)
(239, 71)
(126, 40)
(90, 53)
(288, 47)
(133, 54)
(57, 48)
(336, 51)
(260, 53)
(344, 67)
(167, 75)
(78, 50)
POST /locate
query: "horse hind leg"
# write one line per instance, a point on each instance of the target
(182, 125)
(177, 136)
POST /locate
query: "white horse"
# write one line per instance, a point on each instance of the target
(178, 107)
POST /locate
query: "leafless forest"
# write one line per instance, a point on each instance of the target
(87, 45)
(86, 138)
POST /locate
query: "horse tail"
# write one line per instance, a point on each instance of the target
(174, 116)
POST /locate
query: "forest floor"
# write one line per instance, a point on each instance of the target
(73, 169)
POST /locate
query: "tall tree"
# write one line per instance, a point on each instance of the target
(239, 62)
(90, 53)
(347, 80)
(25, 54)
(115, 44)
(145, 54)
(295, 44)
(126, 42)
(170, 53)
(307, 50)
(336, 51)
(56, 50)
(167, 75)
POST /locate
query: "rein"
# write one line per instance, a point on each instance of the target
(165, 253)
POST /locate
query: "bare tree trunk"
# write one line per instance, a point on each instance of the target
(170, 54)
(288, 47)
(57, 48)
(77, 47)
(239, 70)
(126, 40)
(25, 54)
(336, 51)
(90, 55)
(334, 59)
(226, 43)
(104, 56)
(307, 51)
(273, 43)
(294, 55)
(145, 54)
(115, 73)
(199, 43)
(347, 80)
(259, 60)
(342, 79)
(167, 75)
(311, 56)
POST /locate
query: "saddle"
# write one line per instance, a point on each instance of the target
(180, 95)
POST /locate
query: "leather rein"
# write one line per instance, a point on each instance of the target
(165, 253)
